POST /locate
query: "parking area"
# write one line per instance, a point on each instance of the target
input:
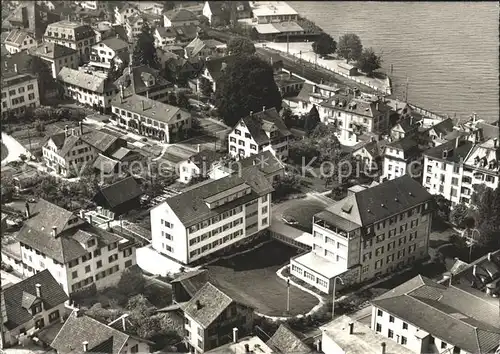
(254, 274)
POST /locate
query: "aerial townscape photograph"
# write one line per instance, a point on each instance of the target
(266, 177)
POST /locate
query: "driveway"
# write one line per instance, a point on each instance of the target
(15, 149)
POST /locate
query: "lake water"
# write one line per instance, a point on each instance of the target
(448, 50)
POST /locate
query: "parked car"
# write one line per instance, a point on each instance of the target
(289, 220)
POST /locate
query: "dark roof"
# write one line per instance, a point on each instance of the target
(260, 122)
(114, 43)
(52, 294)
(134, 80)
(16, 37)
(98, 139)
(105, 164)
(267, 163)
(65, 247)
(446, 312)
(101, 338)
(207, 304)
(374, 148)
(488, 131)
(193, 281)
(284, 340)
(205, 156)
(408, 124)
(453, 154)
(444, 127)
(121, 192)
(408, 144)
(188, 32)
(180, 15)
(21, 59)
(215, 66)
(51, 51)
(191, 208)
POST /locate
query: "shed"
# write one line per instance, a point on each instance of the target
(348, 69)
(119, 198)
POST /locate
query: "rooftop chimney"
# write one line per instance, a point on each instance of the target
(85, 346)
(251, 113)
(198, 147)
(28, 213)
(142, 105)
(124, 322)
(235, 335)
(46, 50)
(81, 128)
(38, 290)
(382, 347)
(489, 256)
(66, 130)
(351, 327)
(198, 304)
(117, 35)
(474, 270)
(457, 140)
(447, 278)
(121, 91)
(247, 348)
(15, 68)
(263, 108)
(495, 143)
(90, 219)
(77, 312)
(490, 288)
(376, 106)
(54, 231)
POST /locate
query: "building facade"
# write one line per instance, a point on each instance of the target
(211, 216)
(18, 40)
(19, 93)
(273, 11)
(57, 56)
(104, 52)
(373, 232)
(74, 35)
(179, 17)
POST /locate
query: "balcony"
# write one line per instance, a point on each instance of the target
(332, 228)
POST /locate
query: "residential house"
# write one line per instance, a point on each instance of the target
(288, 84)
(68, 152)
(211, 216)
(244, 345)
(19, 93)
(81, 333)
(118, 198)
(128, 10)
(32, 17)
(347, 69)
(185, 34)
(405, 127)
(214, 67)
(145, 81)
(370, 154)
(179, 17)
(355, 116)
(344, 335)
(76, 253)
(105, 29)
(443, 171)
(74, 35)
(103, 53)
(212, 315)
(150, 118)
(220, 13)
(88, 88)
(91, 16)
(57, 56)
(30, 305)
(284, 340)
(164, 36)
(18, 40)
(272, 168)
(204, 48)
(198, 165)
(482, 165)
(309, 95)
(93, 4)
(402, 157)
(259, 132)
(428, 317)
(272, 12)
(439, 133)
(373, 232)
(187, 284)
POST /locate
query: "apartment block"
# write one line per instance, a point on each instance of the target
(57, 56)
(19, 92)
(402, 157)
(76, 253)
(104, 53)
(257, 132)
(74, 35)
(429, 317)
(453, 169)
(128, 10)
(373, 232)
(273, 11)
(150, 118)
(211, 216)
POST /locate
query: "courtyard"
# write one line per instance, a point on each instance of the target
(254, 274)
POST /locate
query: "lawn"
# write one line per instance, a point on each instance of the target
(303, 213)
(254, 274)
(3, 151)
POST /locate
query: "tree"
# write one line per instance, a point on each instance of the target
(327, 143)
(443, 207)
(240, 46)
(300, 150)
(206, 87)
(488, 219)
(246, 85)
(43, 73)
(312, 120)
(144, 51)
(368, 62)
(172, 98)
(349, 47)
(324, 45)
(287, 117)
(458, 214)
(286, 185)
(131, 282)
(182, 100)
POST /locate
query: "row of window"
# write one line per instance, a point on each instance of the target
(390, 246)
(215, 219)
(216, 243)
(381, 237)
(97, 253)
(242, 143)
(215, 231)
(19, 90)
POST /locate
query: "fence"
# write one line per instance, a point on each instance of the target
(427, 113)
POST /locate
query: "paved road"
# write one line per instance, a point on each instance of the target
(312, 74)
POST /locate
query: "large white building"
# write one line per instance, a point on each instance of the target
(402, 157)
(18, 40)
(373, 232)
(19, 92)
(257, 132)
(427, 317)
(212, 215)
(74, 35)
(104, 52)
(453, 169)
(273, 11)
(87, 88)
(57, 56)
(76, 253)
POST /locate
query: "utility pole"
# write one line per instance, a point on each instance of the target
(288, 295)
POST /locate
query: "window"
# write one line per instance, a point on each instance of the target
(113, 258)
(74, 275)
(40, 323)
(390, 333)
(453, 192)
(380, 312)
(30, 87)
(127, 252)
(405, 325)
(53, 316)
(379, 251)
(264, 221)
(365, 269)
(443, 345)
(97, 253)
(391, 319)
(403, 340)
(378, 264)
(87, 269)
(91, 243)
(128, 263)
(237, 132)
(378, 327)
(99, 264)
(134, 349)
(112, 246)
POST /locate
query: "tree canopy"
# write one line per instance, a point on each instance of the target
(488, 218)
(206, 87)
(368, 62)
(240, 46)
(144, 51)
(311, 120)
(246, 85)
(324, 45)
(43, 73)
(350, 47)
